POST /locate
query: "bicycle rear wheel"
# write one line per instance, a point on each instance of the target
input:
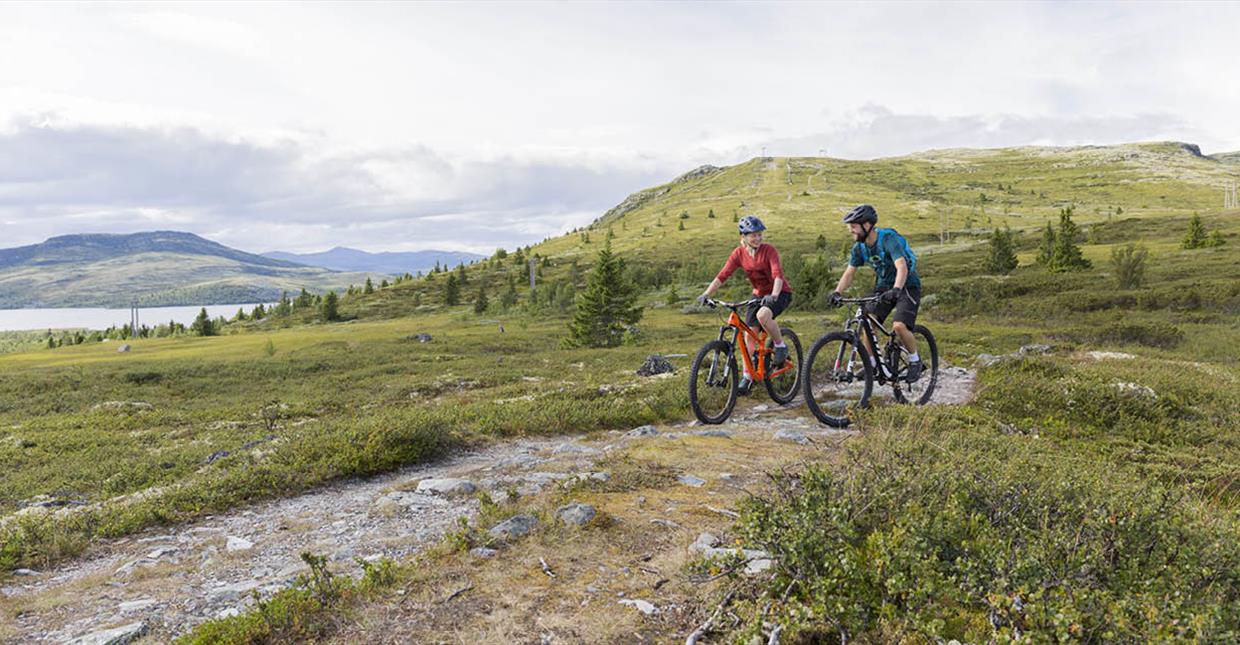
(783, 387)
(836, 379)
(713, 382)
(918, 392)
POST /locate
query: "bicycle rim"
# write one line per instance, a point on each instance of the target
(783, 387)
(920, 391)
(713, 383)
(836, 381)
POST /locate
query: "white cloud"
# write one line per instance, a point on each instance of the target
(316, 124)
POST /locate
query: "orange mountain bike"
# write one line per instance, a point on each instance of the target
(714, 380)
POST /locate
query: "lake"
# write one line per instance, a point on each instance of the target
(99, 318)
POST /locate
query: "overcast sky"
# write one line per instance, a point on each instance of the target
(407, 126)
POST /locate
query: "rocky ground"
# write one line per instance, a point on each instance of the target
(157, 585)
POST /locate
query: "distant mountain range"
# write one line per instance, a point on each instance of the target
(156, 268)
(346, 259)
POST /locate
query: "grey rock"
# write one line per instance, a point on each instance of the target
(641, 605)
(136, 605)
(423, 338)
(655, 364)
(520, 461)
(123, 348)
(115, 636)
(483, 552)
(690, 480)
(986, 360)
(704, 541)
(160, 552)
(124, 406)
(713, 433)
(642, 431)
(238, 544)
(25, 572)
(791, 435)
(569, 447)
(216, 456)
(230, 593)
(1135, 391)
(1028, 350)
(576, 514)
(513, 527)
(447, 486)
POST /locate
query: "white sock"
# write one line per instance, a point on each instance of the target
(781, 345)
(746, 375)
(914, 357)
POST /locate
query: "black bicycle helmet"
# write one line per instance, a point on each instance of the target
(861, 215)
(750, 224)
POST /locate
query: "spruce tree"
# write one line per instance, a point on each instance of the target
(1047, 249)
(607, 306)
(460, 274)
(203, 325)
(385, 284)
(369, 288)
(1067, 255)
(510, 296)
(1002, 258)
(330, 307)
(451, 291)
(1195, 238)
(480, 303)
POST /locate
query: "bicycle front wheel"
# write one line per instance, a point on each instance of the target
(836, 379)
(919, 391)
(713, 382)
(783, 386)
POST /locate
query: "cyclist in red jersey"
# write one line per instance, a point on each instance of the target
(761, 264)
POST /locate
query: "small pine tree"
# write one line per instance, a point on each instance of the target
(684, 214)
(203, 325)
(1067, 255)
(369, 288)
(285, 306)
(1047, 249)
(460, 274)
(1129, 265)
(607, 306)
(682, 226)
(451, 291)
(240, 317)
(1002, 258)
(710, 214)
(329, 309)
(480, 303)
(672, 296)
(821, 243)
(1215, 239)
(509, 298)
(259, 312)
(1195, 238)
(51, 342)
(384, 284)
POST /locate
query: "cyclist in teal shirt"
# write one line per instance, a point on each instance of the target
(897, 283)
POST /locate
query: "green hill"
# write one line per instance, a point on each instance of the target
(156, 268)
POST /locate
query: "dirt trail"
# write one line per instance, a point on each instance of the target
(170, 580)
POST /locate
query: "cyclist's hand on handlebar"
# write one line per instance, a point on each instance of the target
(704, 300)
(891, 295)
(768, 300)
(835, 299)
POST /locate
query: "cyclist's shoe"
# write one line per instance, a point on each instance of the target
(745, 386)
(914, 372)
(778, 358)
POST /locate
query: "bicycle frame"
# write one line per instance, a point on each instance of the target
(868, 323)
(742, 334)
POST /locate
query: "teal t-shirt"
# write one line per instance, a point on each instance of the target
(889, 247)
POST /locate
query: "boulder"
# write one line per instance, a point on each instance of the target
(514, 527)
(690, 480)
(576, 514)
(641, 605)
(655, 364)
(236, 544)
(483, 552)
(642, 431)
(791, 435)
(447, 486)
(123, 348)
(114, 636)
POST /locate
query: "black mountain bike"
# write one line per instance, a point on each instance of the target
(713, 378)
(837, 378)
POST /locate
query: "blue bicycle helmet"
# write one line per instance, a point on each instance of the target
(750, 224)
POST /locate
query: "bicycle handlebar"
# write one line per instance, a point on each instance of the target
(712, 303)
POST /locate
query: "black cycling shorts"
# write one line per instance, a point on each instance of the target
(906, 307)
(781, 303)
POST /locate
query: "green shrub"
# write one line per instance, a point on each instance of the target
(976, 536)
(1129, 264)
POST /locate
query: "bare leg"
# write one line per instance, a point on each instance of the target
(768, 323)
(906, 337)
